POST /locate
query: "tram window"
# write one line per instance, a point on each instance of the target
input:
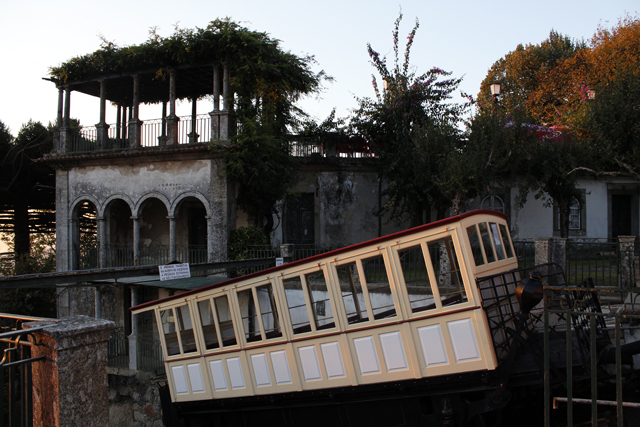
(249, 316)
(447, 270)
(351, 290)
(375, 275)
(268, 311)
(486, 242)
(169, 329)
(320, 302)
(297, 305)
(505, 238)
(416, 279)
(474, 240)
(227, 333)
(186, 329)
(208, 325)
(496, 240)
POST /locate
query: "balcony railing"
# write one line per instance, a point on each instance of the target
(153, 133)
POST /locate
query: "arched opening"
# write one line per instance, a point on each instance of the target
(191, 231)
(154, 233)
(119, 247)
(85, 238)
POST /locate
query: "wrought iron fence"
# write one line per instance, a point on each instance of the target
(526, 252)
(118, 349)
(16, 403)
(598, 260)
(88, 257)
(150, 355)
(119, 255)
(193, 254)
(601, 338)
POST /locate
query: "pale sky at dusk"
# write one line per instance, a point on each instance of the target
(461, 36)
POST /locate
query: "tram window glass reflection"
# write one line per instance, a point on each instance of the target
(507, 242)
(352, 295)
(486, 242)
(268, 311)
(208, 325)
(416, 279)
(497, 242)
(186, 329)
(227, 332)
(447, 271)
(249, 316)
(169, 329)
(297, 305)
(375, 275)
(320, 302)
(474, 241)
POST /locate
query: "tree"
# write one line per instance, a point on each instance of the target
(26, 186)
(412, 125)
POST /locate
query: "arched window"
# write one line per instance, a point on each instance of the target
(492, 202)
(575, 215)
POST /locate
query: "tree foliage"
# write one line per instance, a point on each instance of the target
(27, 187)
(412, 124)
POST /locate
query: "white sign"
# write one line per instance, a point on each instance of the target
(174, 271)
(279, 261)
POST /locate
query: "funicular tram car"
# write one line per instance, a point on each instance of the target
(388, 332)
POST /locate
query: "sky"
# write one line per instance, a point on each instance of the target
(462, 36)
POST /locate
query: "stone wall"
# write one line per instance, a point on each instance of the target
(134, 402)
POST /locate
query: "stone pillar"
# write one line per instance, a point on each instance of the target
(57, 147)
(136, 239)
(162, 139)
(172, 119)
(220, 122)
(626, 246)
(133, 343)
(211, 248)
(172, 238)
(97, 305)
(102, 126)
(65, 134)
(102, 242)
(543, 254)
(135, 124)
(193, 136)
(74, 234)
(70, 386)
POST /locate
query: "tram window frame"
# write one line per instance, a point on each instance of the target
(312, 323)
(186, 339)
(357, 260)
(220, 326)
(259, 335)
(494, 232)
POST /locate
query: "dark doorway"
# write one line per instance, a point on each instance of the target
(620, 215)
(299, 219)
(197, 235)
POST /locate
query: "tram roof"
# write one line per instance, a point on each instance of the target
(330, 254)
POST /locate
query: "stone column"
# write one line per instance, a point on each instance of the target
(70, 386)
(543, 254)
(162, 139)
(626, 246)
(133, 343)
(135, 124)
(220, 119)
(211, 249)
(65, 134)
(136, 239)
(102, 242)
(172, 119)
(57, 147)
(102, 126)
(172, 238)
(193, 136)
(74, 234)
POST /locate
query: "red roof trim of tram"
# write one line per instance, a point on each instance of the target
(327, 254)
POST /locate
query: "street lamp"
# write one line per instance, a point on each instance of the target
(495, 89)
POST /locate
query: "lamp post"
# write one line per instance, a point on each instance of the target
(495, 91)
